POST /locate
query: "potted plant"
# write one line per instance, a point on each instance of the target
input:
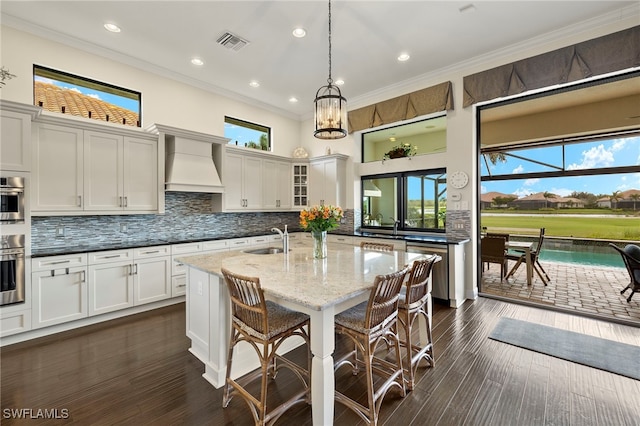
(400, 151)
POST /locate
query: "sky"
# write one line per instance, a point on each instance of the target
(607, 153)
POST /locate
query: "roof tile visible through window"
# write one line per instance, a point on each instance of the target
(54, 98)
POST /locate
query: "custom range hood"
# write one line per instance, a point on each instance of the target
(190, 162)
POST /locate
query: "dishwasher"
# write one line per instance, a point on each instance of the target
(440, 272)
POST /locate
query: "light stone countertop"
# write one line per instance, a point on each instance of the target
(345, 273)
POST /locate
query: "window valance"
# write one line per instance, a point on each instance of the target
(421, 102)
(613, 52)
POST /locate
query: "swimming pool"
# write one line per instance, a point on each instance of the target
(582, 257)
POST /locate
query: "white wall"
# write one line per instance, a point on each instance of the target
(164, 101)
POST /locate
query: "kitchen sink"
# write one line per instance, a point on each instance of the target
(264, 250)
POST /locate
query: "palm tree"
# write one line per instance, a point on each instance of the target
(546, 196)
(496, 157)
(615, 197)
(634, 197)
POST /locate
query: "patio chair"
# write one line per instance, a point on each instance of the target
(519, 257)
(493, 250)
(631, 257)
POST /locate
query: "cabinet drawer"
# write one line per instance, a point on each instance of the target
(100, 257)
(143, 253)
(186, 248)
(55, 262)
(179, 268)
(238, 243)
(16, 322)
(257, 241)
(179, 285)
(215, 245)
(340, 239)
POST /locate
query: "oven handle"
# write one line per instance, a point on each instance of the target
(4, 254)
(5, 190)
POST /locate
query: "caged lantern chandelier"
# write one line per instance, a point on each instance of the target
(331, 107)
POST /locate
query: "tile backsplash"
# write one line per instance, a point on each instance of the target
(188, 215)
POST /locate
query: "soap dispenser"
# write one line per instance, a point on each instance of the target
(285, 240)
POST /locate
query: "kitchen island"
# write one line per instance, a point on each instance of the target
(319, 288)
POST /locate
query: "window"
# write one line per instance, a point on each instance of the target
(64, 93)
(244, 133)
(421, 138)
(416, 199)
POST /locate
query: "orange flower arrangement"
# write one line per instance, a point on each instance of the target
(321, 218)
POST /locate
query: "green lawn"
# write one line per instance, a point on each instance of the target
(614, 228)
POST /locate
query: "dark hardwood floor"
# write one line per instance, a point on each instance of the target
(137, 370)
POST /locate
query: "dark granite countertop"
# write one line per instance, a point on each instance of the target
(128, 244)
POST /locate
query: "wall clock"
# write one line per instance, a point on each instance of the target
(459, 179)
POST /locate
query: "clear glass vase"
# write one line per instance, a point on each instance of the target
(319, 244)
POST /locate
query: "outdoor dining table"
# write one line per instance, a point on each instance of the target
(320, 288)
(526, 248)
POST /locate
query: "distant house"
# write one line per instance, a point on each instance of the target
(536, 201)
(629, 199)
(604, 202)
(487, 199)
(567, 202)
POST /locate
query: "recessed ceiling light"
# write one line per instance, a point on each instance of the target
(112, 27)
(392, 139)
(299, 32)
(339, 82)
(293, 99)
(254, 83)
(197, 61)
(403, 57)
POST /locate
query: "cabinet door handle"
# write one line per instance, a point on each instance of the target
(126, 201)
(83, 276)
(151, 252)
(179, 264)
(111, 257)
(181, 285)
(57, 262)
(120, 204)
(79, 200)
(135, 271)
(130, 269)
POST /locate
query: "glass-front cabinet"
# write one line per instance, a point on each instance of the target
(300, 185)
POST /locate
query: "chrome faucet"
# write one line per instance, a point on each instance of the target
(285, 238)
(396, 222)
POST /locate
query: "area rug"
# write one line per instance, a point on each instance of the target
(608, 355)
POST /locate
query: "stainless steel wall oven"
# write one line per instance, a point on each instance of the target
(11, 200)
(12, 271)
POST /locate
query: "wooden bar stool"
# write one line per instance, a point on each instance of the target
(366, 325)
(264, 325)
(413, 304)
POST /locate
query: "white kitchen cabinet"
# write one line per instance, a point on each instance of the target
(57, 169)
(15, 322)
(93, 171)
(178, 269)
(103, 171)
(58, 296)
(300, 185)
(110, 281)
(242, 180)
(276, 181)
(15, 136)
(152, 274)
(327, 180)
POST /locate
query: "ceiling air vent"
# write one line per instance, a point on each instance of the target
(232, 42)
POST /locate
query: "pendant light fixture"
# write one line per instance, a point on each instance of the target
(331, 107)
